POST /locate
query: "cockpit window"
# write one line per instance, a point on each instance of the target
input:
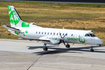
(90, 35)
(87, 35)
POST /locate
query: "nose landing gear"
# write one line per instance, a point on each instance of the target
(100, 45)
(91, 50)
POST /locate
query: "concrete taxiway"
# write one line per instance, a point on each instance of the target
(29, 55)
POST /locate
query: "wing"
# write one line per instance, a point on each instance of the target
(50, 39)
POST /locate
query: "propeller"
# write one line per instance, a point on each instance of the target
(62, 38)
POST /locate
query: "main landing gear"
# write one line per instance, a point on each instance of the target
(91, 50)
(67, 46)
(45, 48)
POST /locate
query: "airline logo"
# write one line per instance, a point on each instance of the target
(80, 39)
(15, 19)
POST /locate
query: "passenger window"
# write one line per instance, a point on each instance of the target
(36, 32)
(48, 33)
(71, 34)
(45, 32)
(63, 33)
(39, 32)
(53, 33)
(42, 32)
(57, 33)
(66, 34)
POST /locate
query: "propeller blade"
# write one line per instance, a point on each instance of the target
(62, 38)
(63, 42)
(60, 34)
(65, 35)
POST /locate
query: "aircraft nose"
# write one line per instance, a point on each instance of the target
(99, 41)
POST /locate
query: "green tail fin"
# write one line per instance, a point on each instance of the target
(15, 19)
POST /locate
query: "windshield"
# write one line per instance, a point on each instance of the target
(87, 35)
(90, 35)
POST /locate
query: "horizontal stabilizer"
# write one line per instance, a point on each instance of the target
(10, 28)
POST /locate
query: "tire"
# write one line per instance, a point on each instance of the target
(91, 50)
(45, 48)
(67, 46)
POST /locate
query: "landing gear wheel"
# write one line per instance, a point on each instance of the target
(92, 50)
(45, 48)
(99, 44)
(67, 46)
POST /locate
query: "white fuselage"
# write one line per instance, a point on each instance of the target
(73, 36)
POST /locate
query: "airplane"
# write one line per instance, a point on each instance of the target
(49, 35)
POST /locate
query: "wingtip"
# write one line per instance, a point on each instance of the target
(3, 25)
